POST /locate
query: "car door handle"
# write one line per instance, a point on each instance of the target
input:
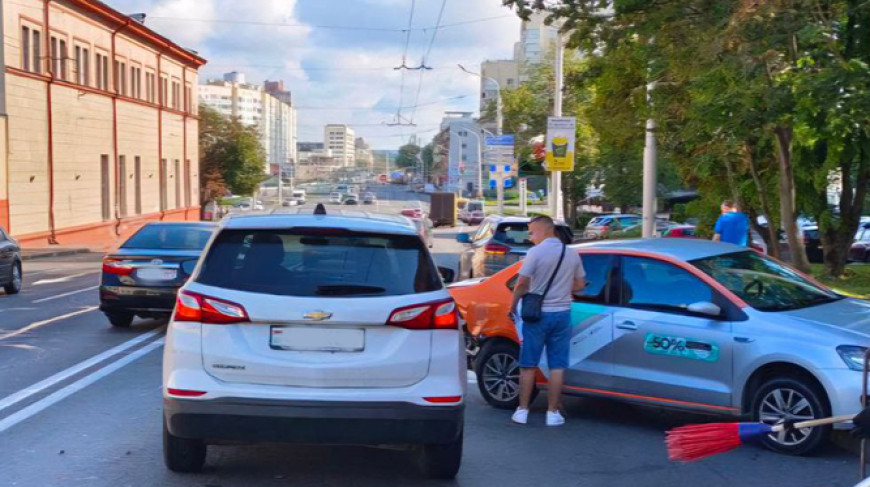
(627, 325)
(743, 339)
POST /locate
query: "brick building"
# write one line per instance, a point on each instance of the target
(101, 127)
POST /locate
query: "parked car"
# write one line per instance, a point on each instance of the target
(426, 229)
(336, 198)
(680, 231)
(604, 225)
(756, 242)
(472, 213)
(298, 196)
(351, 199)
(11, 276)
(142, 276)
(860, 250)
(369, 199)
(497, 243)
(744, 335)
(315, 329)
(813, 243)
(636, 231)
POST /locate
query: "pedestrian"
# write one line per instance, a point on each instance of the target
(550, 274)
(733, 226)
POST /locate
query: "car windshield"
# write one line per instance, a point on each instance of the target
(318, 262)
(169, 237)
(764, 283)
(475, 206)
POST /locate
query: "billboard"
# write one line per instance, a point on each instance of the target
(561, 132)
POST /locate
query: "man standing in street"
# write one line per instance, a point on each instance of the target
(733, 226)
(553, 331)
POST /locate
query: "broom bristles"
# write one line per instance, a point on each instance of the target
(697, 441)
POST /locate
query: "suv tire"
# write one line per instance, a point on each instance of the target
(792, 390)
(183, 455)
(120, 319)
(442, 461)
(494, 357)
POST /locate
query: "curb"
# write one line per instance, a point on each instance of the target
(51, 253)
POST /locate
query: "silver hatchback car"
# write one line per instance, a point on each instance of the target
(694, 325)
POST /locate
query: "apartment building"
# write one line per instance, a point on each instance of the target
(339, 138)
(102, 124)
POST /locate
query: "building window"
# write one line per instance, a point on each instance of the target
(105, 186)
(122, 184)
(102, 74)
(176, 95)
(83, 72)
(31, 54)
(150, 87)
(163, 183)
(164, 91)
(58, 58)
(177, 175)
(136, 82)
(188, 99)
(137, 180)
(120, 78)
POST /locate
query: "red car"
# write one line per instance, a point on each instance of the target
(682, 231)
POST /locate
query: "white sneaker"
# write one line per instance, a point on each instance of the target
(520, 416)
(555, 418)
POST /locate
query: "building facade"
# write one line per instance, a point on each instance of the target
(462, 137)
(102, 125)
(339, 138)
(269, 108)
(364, 157)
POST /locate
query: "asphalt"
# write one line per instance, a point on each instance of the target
(100, 424)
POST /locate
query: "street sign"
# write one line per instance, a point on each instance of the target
(561, 132)
(499, 154)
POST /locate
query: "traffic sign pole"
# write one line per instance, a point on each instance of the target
(556, 176)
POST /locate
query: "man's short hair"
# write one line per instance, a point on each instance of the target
(546, 220)
(728, 203)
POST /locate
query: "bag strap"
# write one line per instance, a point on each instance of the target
(553, 277)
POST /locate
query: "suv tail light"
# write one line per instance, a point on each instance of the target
(494, 248)
(117, 267)
(191, 306)
(439, 315)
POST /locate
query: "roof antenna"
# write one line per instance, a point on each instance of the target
(320, 209)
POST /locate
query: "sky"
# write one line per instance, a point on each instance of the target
(338, 70)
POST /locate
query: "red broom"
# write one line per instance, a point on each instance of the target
(697, 441)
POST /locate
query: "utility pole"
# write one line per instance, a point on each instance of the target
(556, 209)
(649, 174)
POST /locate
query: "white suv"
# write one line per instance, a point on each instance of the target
(314, 328)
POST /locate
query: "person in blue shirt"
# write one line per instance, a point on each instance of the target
(732, 226)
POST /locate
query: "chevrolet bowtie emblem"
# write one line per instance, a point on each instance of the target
(317, 315)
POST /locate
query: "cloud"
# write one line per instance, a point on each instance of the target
(328, 67)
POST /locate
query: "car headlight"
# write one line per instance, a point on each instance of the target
(853, 356)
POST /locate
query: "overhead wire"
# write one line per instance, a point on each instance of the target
(426, 58)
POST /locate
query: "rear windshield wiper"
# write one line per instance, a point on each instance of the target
(347, 290)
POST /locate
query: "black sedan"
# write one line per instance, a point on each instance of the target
(143, 275)
(10, 264)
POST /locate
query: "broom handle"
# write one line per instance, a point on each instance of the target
(816, 422)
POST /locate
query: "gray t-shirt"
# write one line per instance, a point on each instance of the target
(539, 264)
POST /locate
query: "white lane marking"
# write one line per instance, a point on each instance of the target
(75, 369)
(62, 279)
(472, 378)
(76, 386)
(37, 324)
(58, 296)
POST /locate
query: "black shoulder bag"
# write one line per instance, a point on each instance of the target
(532, 303)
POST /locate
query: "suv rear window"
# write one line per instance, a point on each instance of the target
(319, 262)
(170, 237)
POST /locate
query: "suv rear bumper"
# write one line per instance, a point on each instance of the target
(280, 421)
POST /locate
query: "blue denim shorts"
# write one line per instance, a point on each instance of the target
(554, 332)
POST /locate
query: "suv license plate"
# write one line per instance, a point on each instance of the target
(316, 339)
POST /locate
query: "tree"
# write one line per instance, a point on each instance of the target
(231, 156)
(407, 156)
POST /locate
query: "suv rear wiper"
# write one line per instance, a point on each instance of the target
(347, 290)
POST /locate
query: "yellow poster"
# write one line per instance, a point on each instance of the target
(560, 143)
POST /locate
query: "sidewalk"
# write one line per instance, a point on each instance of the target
(47, 252)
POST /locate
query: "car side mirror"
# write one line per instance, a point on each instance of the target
(463, 238)
(705, 308)
(447, 274)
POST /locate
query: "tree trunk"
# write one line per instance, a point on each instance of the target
(771, 236)
(837, 238)
(787, 199)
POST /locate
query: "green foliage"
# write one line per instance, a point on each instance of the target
(231, 156)
(408, 155)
